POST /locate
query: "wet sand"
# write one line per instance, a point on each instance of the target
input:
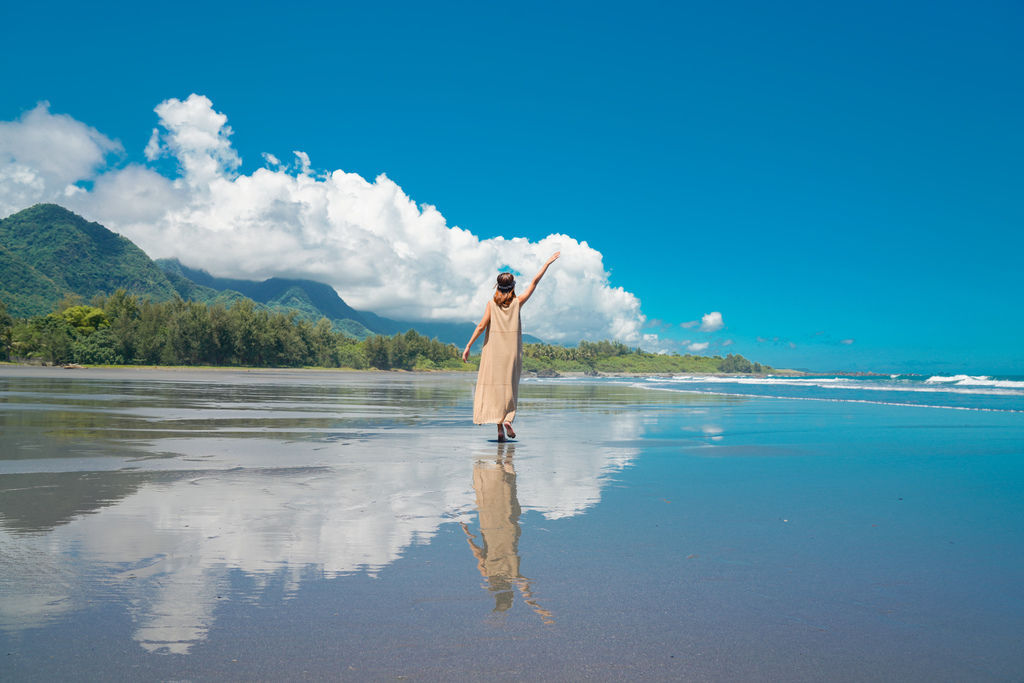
(284, 524)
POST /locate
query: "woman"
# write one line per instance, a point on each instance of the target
(497, 383)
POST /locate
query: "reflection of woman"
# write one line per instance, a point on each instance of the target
(497, 382)
(498, 554)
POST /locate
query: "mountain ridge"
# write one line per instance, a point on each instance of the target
(275, 290)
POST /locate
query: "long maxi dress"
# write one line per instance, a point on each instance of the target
(501, 363)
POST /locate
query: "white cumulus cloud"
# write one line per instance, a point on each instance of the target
(696, 347)
(198, 137)
(711, 322)
(43, 155)
(380, 250)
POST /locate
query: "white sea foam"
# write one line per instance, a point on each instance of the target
(959, 384)
(943, 379)
(975, 381)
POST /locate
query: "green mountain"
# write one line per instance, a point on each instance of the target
(49, 251)
(303, 295)
(24, 289)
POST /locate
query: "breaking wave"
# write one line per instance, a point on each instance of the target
(975, 381)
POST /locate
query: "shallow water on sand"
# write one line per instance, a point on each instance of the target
(233, 524)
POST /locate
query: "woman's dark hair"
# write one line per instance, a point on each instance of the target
(506, 290)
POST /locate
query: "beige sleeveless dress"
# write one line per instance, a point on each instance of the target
(501, 362)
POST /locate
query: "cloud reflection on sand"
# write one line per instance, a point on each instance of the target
(169, 548)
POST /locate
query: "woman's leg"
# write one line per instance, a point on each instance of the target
(509, 430)
(501, 432)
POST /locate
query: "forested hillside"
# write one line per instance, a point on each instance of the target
(48, 252)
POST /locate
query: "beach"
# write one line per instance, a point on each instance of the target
(238, 524)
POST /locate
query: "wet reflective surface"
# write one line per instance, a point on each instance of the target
(172, 524)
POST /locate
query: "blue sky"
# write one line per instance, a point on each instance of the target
(816, 174)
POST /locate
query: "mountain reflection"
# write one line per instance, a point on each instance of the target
(497, 549)
(200, 518)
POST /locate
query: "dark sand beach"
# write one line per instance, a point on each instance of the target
(243, 525)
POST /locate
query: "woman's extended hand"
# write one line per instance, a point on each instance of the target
(554, 257)
(465, 355)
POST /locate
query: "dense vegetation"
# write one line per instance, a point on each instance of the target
(6, 328)
(123, 329)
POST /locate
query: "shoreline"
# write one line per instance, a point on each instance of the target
(572, 374)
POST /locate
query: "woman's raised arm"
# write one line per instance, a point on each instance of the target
(536, 278)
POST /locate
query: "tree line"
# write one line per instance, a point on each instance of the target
(124, 329)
